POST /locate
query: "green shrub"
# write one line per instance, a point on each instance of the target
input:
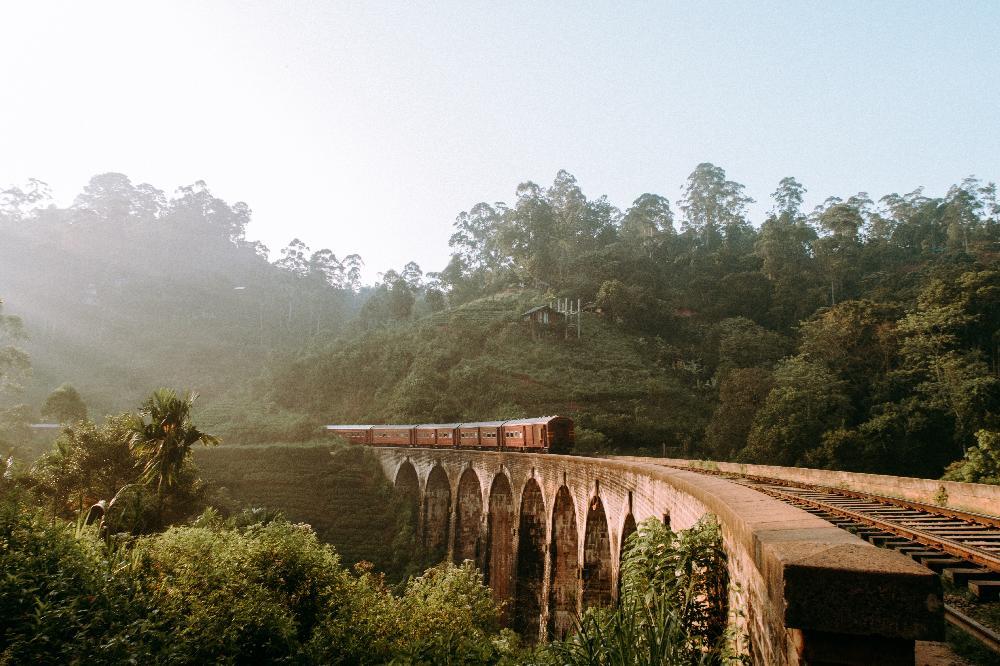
(672, 608)
(265, 592)
(981, 463)
(449, 605)
(64, 595)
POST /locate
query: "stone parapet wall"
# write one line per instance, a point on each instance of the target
(975, 497)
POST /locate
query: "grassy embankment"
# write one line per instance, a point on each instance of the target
(339, 490)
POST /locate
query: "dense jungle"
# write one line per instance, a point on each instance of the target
(703, 333)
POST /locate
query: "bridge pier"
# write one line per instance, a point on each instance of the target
(532, 565)
(501, 545)
(553, 529)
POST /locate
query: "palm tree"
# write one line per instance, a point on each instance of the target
(164, 442)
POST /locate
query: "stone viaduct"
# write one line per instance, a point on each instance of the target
(547, 532)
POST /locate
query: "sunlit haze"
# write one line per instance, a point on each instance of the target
(366, 127)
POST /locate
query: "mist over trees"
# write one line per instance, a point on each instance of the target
(129, 288)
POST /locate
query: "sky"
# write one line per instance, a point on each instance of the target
(367, 127)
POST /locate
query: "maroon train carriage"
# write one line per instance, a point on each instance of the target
(546, 434)
(355, 434)
(436, 435)
(489, 434)
(393, 435)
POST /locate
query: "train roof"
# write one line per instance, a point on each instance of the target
(534, 421)
(540, 420)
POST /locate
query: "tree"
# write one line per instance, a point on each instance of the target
(648, 216)
(88, 463)
(788, 197)
(15, 431)
(13, 361)
(18, 203)
(742, 392)
(981, 463)
(324, 266)
(713, 206)
(352, 264)
(196, 206)
(785, 247)
(295, 258)
(163, 443)
(111, 197)
(949, 346)
(837, 251)
(807, 400)
(413, 276)
(743, 343)
(64, 405)
(856, 340)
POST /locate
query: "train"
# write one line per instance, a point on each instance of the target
(543, 434)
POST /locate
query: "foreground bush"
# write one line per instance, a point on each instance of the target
(51, 588)
(215, 593)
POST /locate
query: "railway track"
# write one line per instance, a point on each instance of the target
(963, 547)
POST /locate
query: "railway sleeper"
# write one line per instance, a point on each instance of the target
(938, 564)
(887, 540)
(867, 528)
(874, 537)
(959, 576)
(985, 590)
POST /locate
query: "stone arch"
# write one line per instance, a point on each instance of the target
(596, 557)
(469, 518)
(499, 564)
(563, 582)
(408, 488)
(628, 529)
(530, 563)
(437, 514)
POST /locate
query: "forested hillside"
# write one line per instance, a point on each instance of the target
(480, 361)
(861, 335)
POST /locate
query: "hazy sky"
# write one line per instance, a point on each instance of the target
(366, 127)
